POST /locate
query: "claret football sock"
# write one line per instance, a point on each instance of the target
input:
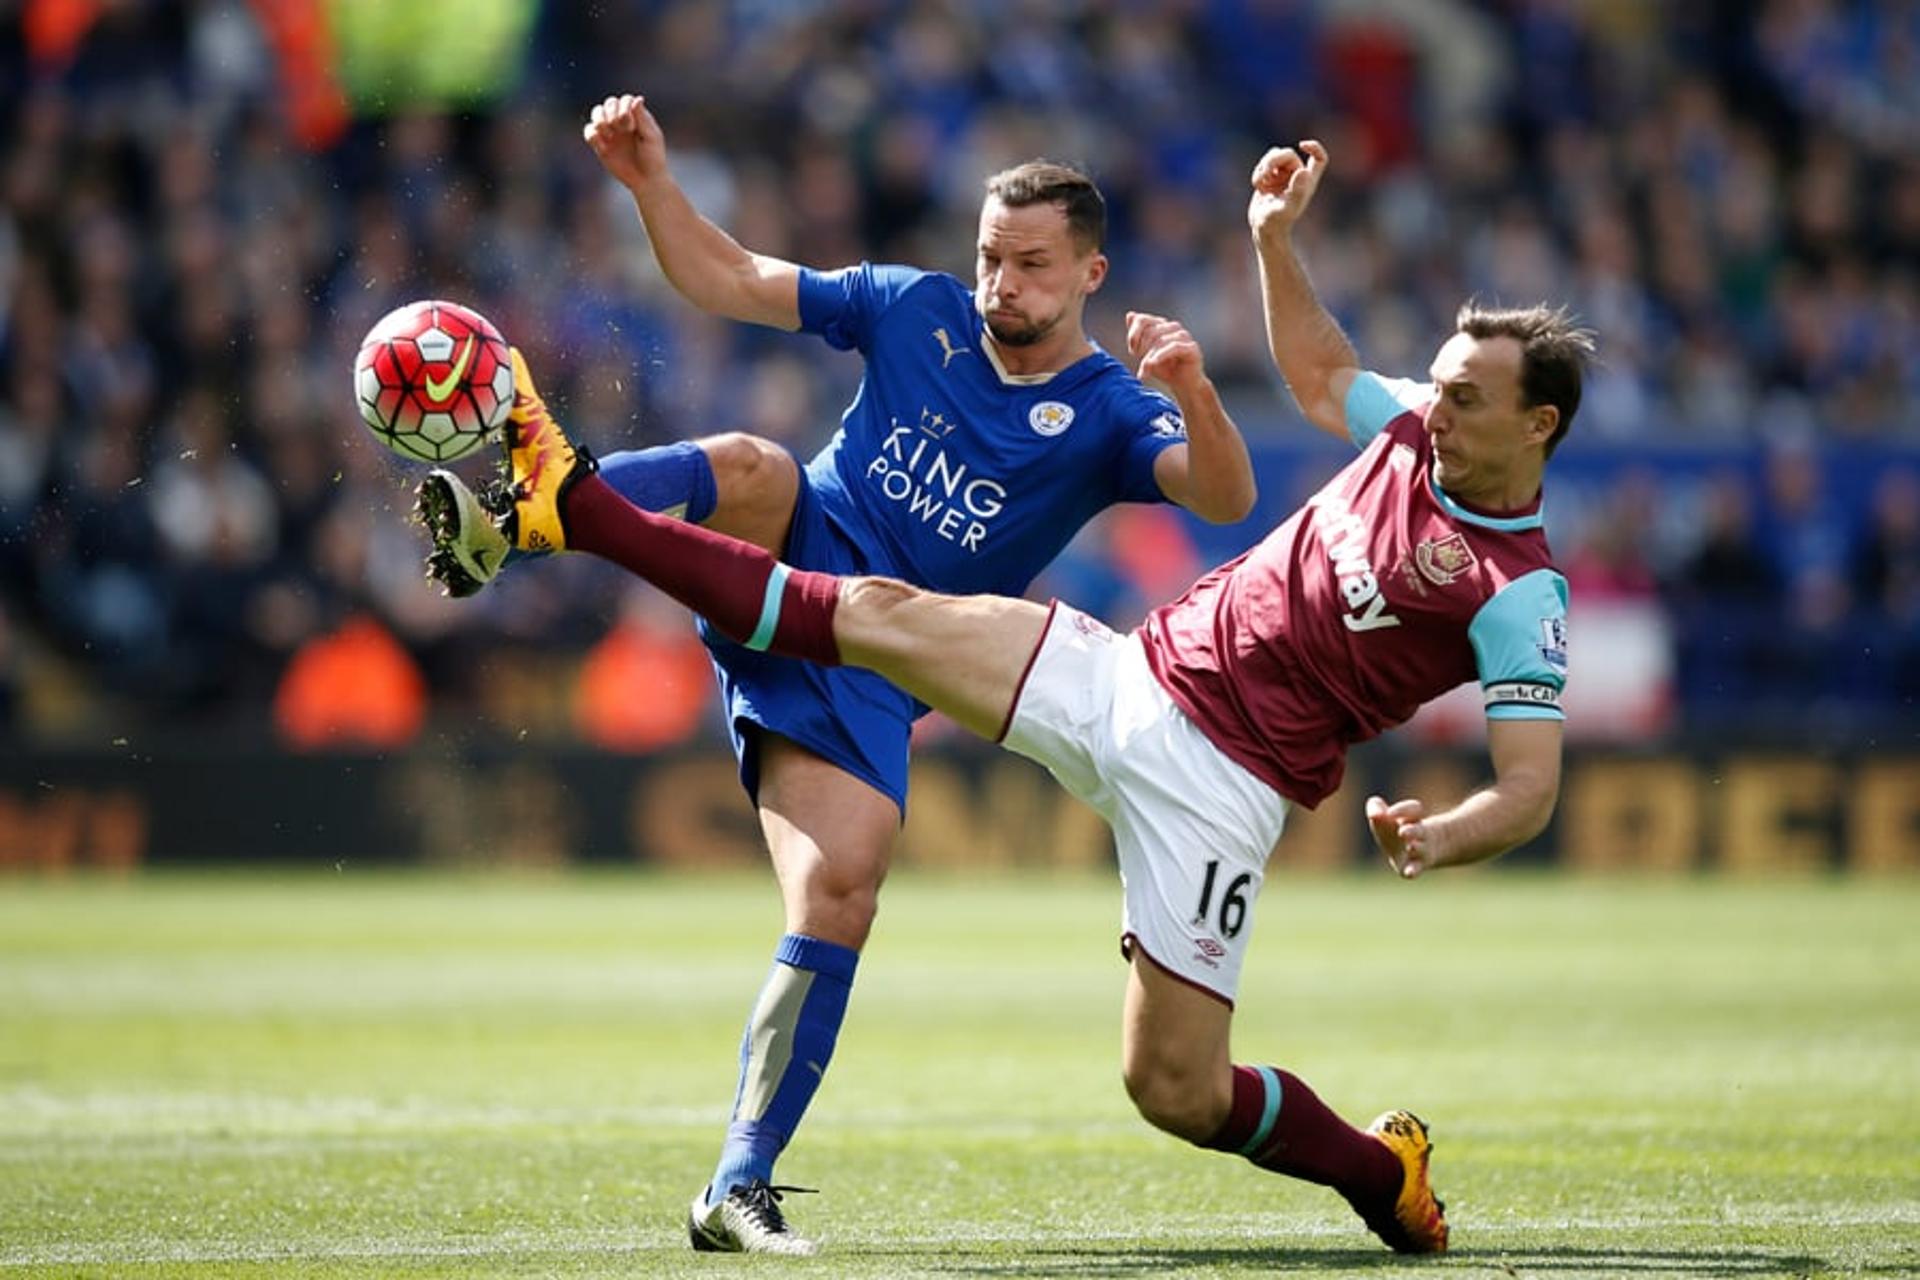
(1278, 1123)
(784, 1054)
(741, 589)
(671, 479)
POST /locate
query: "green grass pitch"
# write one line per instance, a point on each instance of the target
(414, 1075)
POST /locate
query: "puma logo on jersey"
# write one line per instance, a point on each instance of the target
(947, 350)
(1345, 536)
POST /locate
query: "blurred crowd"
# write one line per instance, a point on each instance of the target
(195, 530)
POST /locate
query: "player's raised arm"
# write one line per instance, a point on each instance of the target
(1211, 474)
(1313, 355)
(1510, 811)
(709, 267)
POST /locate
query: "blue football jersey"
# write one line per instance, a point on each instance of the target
(947, 472)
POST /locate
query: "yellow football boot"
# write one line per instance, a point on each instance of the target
(1419, 1221)
(541, 464)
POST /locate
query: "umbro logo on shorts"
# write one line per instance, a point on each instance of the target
(1090, 626)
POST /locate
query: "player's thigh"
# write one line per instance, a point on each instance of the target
(961, 655)
(756, 483)
(830, 836)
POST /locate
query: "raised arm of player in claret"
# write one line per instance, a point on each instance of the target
(1312, 354)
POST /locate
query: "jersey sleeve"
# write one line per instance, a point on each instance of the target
(1158, 427)
(1520, 644)
(844, 306)
(1374, 401)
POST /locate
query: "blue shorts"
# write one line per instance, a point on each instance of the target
(850, 717)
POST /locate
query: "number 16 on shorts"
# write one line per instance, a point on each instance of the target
(1233, 902)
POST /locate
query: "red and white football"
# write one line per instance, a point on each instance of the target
(434, 380)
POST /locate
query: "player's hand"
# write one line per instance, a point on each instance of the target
(1283, 185)
(628, 140)
(1166, 352)
(1404, 835)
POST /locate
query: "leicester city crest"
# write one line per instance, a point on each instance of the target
(1050, 417)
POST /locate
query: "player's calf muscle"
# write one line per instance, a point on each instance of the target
(879, 624)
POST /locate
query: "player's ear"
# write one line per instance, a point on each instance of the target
(1096, 270)
(1542, 419)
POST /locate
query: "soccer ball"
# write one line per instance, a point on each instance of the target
(434, 380)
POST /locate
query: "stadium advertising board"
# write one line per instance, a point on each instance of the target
(1670, 812)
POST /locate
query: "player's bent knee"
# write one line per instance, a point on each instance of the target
(852, 888)
(744, 465)
(1176, 1102)
(840, 909)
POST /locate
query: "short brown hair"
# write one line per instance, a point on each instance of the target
(1554, 353)
(1044, 182)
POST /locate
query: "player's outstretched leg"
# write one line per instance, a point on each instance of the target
(741, 589)
(963, 655)
(1280, 1124)
(551, 499)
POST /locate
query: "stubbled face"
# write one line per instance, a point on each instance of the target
(1030, 277)
(1479, 427)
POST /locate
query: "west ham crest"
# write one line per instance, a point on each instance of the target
(1441, 560)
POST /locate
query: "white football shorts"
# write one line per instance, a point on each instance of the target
(1192, 827)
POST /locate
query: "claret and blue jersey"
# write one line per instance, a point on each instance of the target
(952, 473)
(1380, 594)
(1519, 635)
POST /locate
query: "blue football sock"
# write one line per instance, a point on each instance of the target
(784, 1055)
(675, 479)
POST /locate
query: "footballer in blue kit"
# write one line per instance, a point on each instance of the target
(988, 428)
(948, 467)
(946, 471)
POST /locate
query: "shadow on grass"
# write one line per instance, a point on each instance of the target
(1551, 1260)
(1548, 1261)
(1152, 1261)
